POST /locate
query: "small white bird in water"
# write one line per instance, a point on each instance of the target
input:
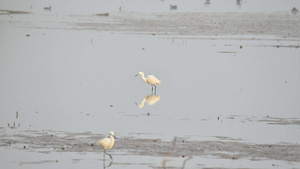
(107, 143)
(151, 80)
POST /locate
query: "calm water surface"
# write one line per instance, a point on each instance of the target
(83, 86)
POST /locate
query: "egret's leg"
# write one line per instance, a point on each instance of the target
(110, 156)
(152, 88)
(104, 155)
(104, 164)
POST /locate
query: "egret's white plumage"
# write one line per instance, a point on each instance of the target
(107, 143)
(151, 80)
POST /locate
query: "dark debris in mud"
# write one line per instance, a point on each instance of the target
(84, 142)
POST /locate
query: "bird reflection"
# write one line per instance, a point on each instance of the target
(163, 162)
(106, 166)
(150, 99)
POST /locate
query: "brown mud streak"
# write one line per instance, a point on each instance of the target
(70, 142)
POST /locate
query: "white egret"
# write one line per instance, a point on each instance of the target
(151, 80)
(107, 143)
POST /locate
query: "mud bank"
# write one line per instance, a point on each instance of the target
(223, 148)
(281, 24)
(277, 24)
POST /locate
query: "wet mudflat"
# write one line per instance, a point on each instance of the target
(229, 96)
(165, 152)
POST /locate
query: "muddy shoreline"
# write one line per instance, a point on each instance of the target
(276, 24)
(280, 24)
(226, 148)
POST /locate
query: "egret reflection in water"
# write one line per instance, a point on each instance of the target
(150, 99)
(106, 166)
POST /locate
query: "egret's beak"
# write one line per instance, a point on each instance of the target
(136, 75)
(115, 137)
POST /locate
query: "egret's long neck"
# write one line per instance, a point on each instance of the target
(143, 77)
(141, 105)
(112, 139)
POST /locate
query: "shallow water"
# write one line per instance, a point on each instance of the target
(69, 74)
